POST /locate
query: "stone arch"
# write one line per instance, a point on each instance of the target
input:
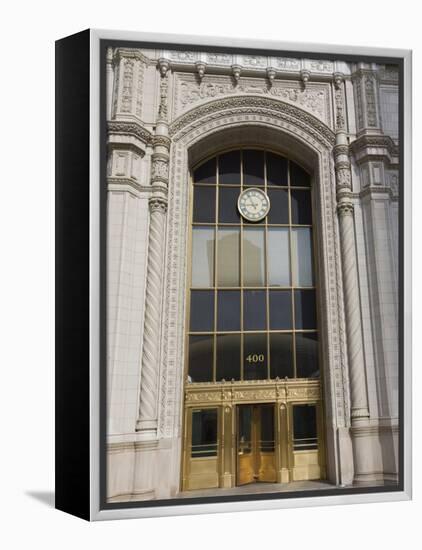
(254, 120)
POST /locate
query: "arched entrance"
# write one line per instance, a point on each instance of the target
(253, 406)
(250, 122)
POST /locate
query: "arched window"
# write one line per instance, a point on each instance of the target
(252, 304)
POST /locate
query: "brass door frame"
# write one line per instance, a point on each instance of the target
(226, 396)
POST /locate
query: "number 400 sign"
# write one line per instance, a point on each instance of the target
(255, 358)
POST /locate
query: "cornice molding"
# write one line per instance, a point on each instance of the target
(130, 128)
(374, 141)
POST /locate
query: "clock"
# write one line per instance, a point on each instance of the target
(253, 204)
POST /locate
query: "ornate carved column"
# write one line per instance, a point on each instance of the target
(357, 373)
(148, 408)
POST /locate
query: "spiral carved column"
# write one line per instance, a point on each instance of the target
(148, 407)
(357, 374)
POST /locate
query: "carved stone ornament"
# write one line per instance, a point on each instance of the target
(371, 110)
(345, 208)
(261, 106)
(161, 141)
(314, 98)
(236, 72)
(160, 169)
(130, 128)
(200, 67)
(158, 204)
(305, 76)
(343, 177)
(163, 66)
(271, 73)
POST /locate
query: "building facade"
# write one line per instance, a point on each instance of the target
(252, 272)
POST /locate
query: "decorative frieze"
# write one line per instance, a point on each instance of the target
(315, 98)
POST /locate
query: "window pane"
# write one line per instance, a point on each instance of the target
(307, 355)
(305, 313)
(202, 256)
(255, 360)
(302, 256)
(280, 309)
(281, 358)
(228, 257)
(204, 433)
(228, 310)
(206, 173)
(254, 310)
(201, 310)
(228, 357)
(298, 176)
(200, 358)
(253, 257)
(304, 428)
(278, 256)
(229, 168)
(227, 204)
(301, 207)
(276, 170)
(279, 202)
(253, 167)
(204, 204)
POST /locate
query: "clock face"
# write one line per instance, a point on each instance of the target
(253, 204)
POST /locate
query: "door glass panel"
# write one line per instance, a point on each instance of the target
(229, 168)
(280, 309)
(200, 358)
(305, 312)
(298, 176)
(227, 205)
(206, 173)
(302, 256)
(202, 310)
(202, 256)
(228, 257)
(244, 433)
(228, 357)
(278, 256)
(307, 355)
(228, 310)
(279, 201)
(276, 170)
(281, 355)
(254, 310)
(253, 257)
(301, 207)
(267, 428)
(253, 167)
(204, 433)
(255, 357)
(304, 428)
(203, 204)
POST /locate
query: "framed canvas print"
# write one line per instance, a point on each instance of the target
(233, 268)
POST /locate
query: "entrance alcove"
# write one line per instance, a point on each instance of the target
(266, 124)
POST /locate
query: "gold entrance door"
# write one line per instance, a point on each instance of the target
(255, 444)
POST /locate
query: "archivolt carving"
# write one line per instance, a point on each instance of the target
(258, 106)
(193, 127)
